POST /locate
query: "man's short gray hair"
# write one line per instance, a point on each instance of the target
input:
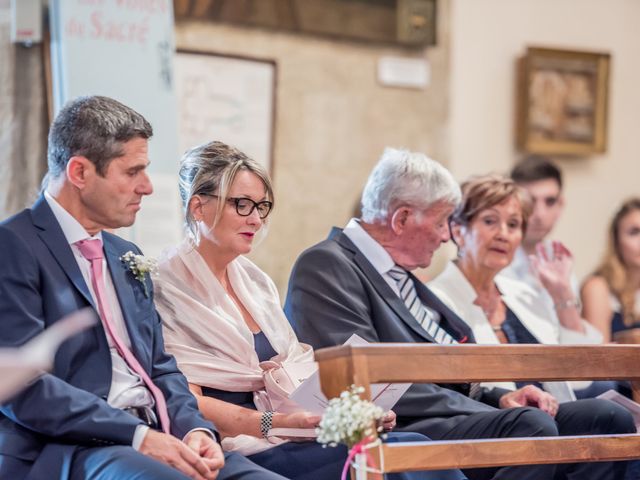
(408, 178)
(95, 127)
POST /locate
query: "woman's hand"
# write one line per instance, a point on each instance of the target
(554, 271)
(296, 420)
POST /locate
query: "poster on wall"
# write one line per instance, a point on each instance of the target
(125, 50)
(229, 99)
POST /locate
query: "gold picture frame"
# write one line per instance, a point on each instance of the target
(562, 102)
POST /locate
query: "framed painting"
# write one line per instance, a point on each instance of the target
(226, 98)
(562, 102)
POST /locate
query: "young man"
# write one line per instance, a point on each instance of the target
(115, 404)
(543, 181)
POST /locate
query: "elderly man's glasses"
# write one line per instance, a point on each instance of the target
(245, 206)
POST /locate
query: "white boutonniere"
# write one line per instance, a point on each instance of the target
(139, 266)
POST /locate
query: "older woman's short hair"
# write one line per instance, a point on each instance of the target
(482, 192)
(211, 168)
(401, 178)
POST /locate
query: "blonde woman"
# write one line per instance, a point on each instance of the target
(611, 295)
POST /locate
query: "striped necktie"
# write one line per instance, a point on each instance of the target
(427, 318)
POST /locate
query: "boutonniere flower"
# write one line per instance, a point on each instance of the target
(140, 266)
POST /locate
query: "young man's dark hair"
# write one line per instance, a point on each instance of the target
(533, 168)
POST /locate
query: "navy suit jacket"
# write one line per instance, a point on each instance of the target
(40, 282)
(334, 291)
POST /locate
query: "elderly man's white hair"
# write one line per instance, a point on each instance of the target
(409, 178)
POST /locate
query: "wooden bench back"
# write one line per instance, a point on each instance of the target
(343, 366)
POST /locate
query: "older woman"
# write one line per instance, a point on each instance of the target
(488, 227)
(222, 317)
(611, 295)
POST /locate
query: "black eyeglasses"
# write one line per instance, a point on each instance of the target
(245, 206)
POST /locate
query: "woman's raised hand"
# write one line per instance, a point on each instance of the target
(554, 270)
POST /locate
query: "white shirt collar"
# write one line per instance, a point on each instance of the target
(375, 253)
(71, 228)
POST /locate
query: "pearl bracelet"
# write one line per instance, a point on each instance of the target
(266, 422)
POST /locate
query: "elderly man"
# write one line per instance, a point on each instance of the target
(359, 281)
(115, 404)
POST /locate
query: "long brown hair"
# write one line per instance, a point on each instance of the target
(613, 269)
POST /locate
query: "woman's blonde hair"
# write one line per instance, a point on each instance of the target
(613, 269)
(482, 192)
(211, 168)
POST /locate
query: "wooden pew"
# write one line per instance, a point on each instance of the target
(343, 366)
(630, 336)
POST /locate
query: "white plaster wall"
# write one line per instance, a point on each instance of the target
(486, 38)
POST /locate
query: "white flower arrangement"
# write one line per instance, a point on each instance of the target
(139, 266)
(348, 419)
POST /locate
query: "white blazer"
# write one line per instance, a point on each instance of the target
(453, 288)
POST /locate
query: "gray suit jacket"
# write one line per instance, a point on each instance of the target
(334, 291)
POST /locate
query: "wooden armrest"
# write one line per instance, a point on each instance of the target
(440, 455)
(631, 336)
(401, 363)
(398, 363)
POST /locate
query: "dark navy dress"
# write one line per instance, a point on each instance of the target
(245, 399)
(310, 460)
(618, 325)
(516, 332)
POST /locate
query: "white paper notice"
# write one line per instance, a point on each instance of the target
(310, 397)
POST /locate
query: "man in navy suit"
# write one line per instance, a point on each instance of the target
(115, 404)
(359, 281)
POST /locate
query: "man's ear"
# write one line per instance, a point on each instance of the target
(399, 219)
(78, 170)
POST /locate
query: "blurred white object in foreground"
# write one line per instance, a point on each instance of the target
(19, 366)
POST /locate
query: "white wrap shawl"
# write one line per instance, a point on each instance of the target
(204, 329)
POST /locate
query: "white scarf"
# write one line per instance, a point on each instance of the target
(205, 331)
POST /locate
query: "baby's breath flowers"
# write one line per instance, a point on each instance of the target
(348, 419)
(139, 266)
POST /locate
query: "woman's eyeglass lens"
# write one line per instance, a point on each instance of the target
(245, 206)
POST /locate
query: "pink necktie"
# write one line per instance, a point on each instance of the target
(92, 251)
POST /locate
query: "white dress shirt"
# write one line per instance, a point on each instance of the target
(373, 251)
(127, 388)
